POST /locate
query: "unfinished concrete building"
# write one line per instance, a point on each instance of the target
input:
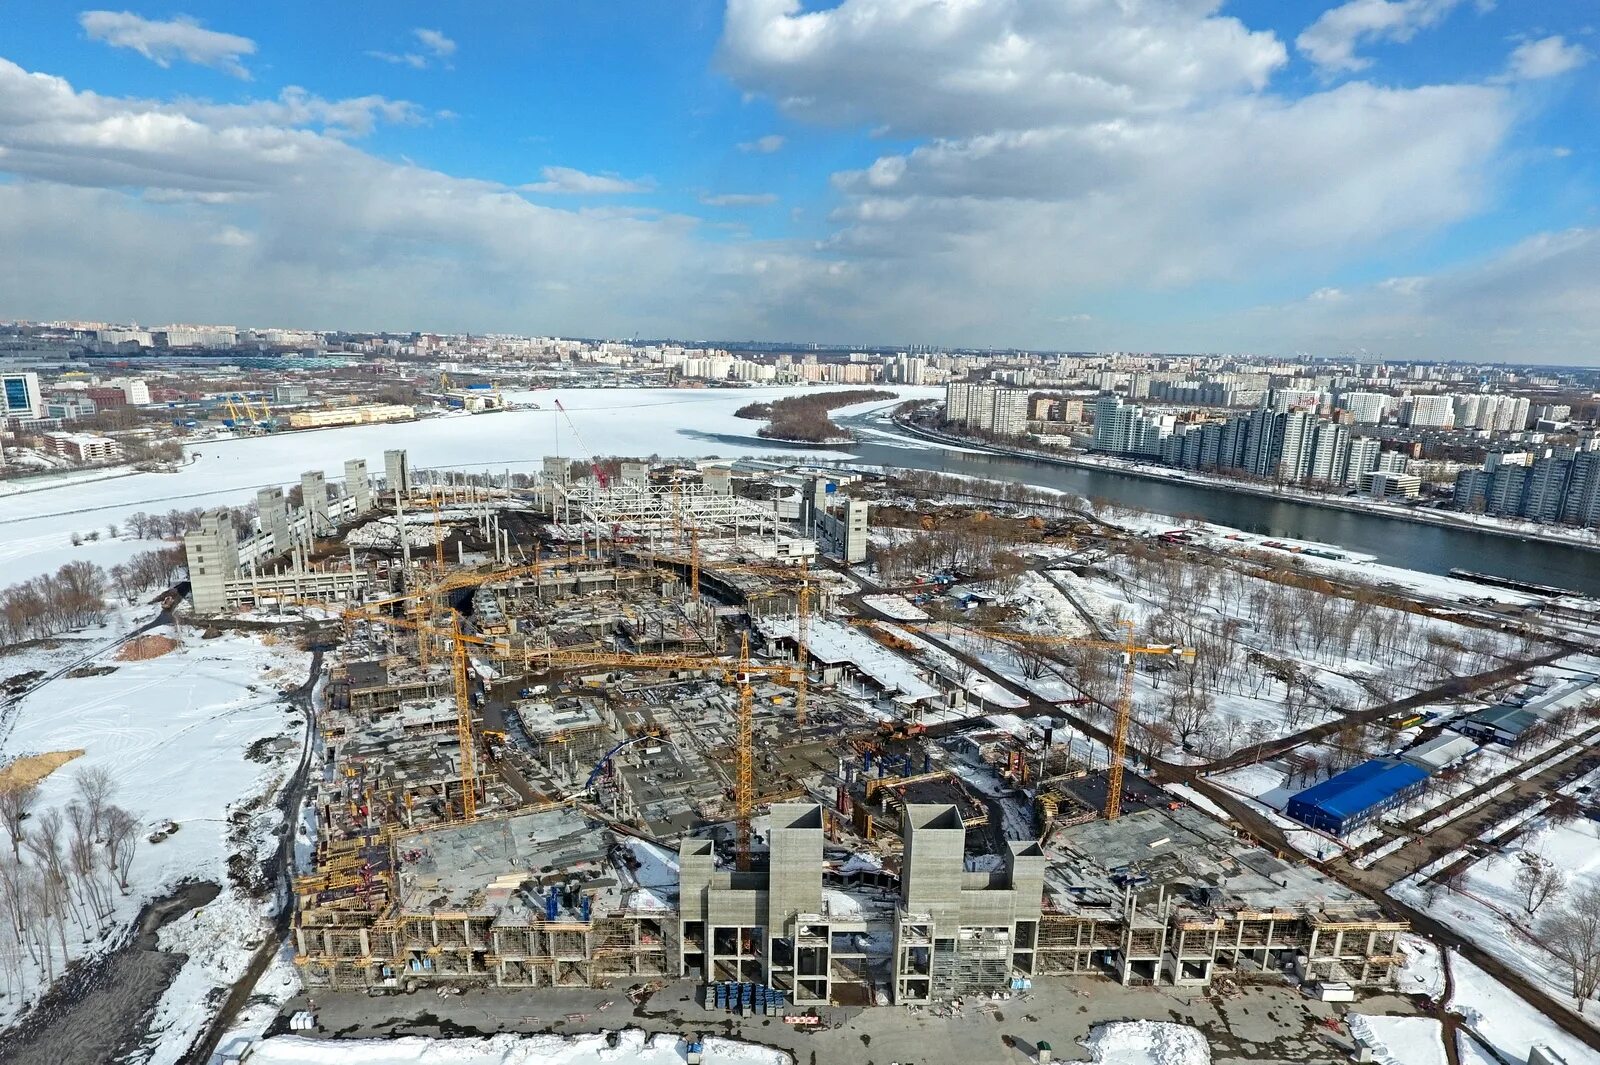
(769, 926)
(958, 932)
(1172, 898)
(542, 899)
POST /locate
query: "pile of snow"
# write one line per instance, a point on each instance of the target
(1400, 1040)
(1148, 1043)
(632, 1049)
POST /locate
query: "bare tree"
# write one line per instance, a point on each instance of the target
(1537, 883)
(95, 788)
(122, 838)
(1572, 936)
(16, 803)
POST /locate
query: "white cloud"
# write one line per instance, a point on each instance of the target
(566, 179)
(177, 38)
(435, 42)
(1331, 41)
(954, 69)
(436, 48)
(1164, 199)
(1538, 301)
(763, 145)
(739, 199)
(407, 59)
(1547, 57)
(137, 209)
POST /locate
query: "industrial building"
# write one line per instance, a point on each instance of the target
(1348, 800)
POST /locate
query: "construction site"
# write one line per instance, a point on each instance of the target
(632, 728)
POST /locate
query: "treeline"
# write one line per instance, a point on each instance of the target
(805, 418)
(62, 866)
(76, 594)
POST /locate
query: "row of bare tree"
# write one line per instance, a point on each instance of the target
(75, 595)
(61, 872)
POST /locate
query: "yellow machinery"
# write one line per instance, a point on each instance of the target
(463, 694)
(1130, 649)
(740, 673)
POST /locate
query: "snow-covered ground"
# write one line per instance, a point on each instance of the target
(200, 738)
(1488, 907)
(36, 526)
(1147, 1043)
(633, 1048)
(1400, 1040)
(1504, 1019)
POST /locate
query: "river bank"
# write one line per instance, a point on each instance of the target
(1442, 519)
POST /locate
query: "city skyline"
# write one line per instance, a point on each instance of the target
(1409, 179)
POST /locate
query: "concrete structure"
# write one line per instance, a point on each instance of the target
(314, 498)
(718, 480)
(840, 524)
(225, 572)
(960, 933)
(635, 473)
(765, 926)
(397, 472)
(212, 552)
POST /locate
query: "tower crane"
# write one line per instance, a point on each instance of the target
(594, 465)
(1129, 648)
(804, 582)
(460, 641)
(739, 673)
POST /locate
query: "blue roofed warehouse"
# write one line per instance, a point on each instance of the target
(1343, 802)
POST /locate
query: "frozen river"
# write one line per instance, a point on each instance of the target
(36, 527)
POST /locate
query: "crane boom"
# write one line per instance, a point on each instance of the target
(1130, 650)
(594, 466)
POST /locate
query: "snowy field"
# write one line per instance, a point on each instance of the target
(633, 1048)
(198, 744)
(36, 526)
(1400, 1040)
(1507, 1022)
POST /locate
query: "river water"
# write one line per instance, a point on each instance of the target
(36, 527)
(1410, 545)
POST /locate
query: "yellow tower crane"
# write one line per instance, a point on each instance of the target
(1129, 648)
(463, 694)
(739, 673)
(804, 582)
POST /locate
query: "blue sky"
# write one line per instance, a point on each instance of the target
(1416, 177)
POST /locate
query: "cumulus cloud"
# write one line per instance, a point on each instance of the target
(138, 209)
(953, 69)
(739, 199)
(1547, 57)
(567, 180)
(163, 42)
(1331, 41)
(1538, 301)
(763, 145)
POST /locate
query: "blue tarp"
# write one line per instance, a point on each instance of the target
(1345, 797)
